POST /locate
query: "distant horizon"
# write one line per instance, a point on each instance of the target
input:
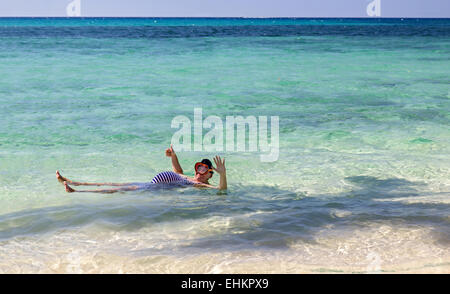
(264, 17)
(227, 9)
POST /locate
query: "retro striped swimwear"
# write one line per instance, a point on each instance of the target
(169, 177)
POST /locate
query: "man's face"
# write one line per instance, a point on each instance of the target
(202, 173)
(204, 177)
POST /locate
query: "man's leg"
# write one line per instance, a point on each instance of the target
(62, 179)
(129, 188)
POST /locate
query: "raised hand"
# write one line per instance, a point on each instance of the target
(170, 152)
(220, 165)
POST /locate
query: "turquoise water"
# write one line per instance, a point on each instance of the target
(362, 179)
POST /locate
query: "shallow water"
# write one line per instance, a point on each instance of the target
(361, 183)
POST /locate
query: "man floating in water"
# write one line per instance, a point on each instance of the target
(203, 172)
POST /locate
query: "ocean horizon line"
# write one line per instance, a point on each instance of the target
(234, 17)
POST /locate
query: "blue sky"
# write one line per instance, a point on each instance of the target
(227, 8)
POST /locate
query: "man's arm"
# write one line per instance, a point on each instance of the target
(220, 169)
(175, 164)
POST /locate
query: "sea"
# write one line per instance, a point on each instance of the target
(360, 183)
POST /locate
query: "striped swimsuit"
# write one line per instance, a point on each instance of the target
(164, 180)
(169, 177)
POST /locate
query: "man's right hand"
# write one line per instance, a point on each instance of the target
(175, 164)
(170, 152)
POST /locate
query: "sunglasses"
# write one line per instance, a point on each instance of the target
(202, 168)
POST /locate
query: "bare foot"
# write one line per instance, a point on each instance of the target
(60, 178)
(68, 188)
